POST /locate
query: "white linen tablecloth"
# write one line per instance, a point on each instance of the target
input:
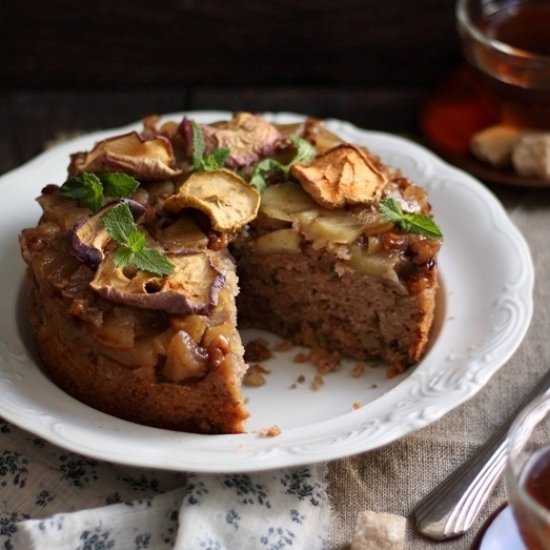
(51, 498)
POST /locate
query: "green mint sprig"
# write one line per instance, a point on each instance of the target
(120, 225)
(304, 153)
(90, 189)
(409, 221)
(213, 161)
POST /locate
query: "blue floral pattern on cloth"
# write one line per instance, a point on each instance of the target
(51, 498)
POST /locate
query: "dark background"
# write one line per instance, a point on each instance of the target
(78, 66)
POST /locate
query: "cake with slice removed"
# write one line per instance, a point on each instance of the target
(144, 255)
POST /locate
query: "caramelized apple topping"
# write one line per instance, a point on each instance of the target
(248, 138)
(222, 195)
(193, 287)
(89, 236)
(185, 359)
(342, 176)
(282, 201)
(319, 136)
(145, 159)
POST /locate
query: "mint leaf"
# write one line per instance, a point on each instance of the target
(89, 189)
(118, 184)
(257, 179)
(120, 225)
(390, 209)
(123, 256)
(258, 182)
(150, 259)
(73, 188)
(214, 160)
(198, 146)
(304, 150)
(86, 189)
(409, 221)
(136, 241)
(304, 153)
(421, 224)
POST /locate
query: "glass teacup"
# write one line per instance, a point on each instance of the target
(507, 44)
(528, 473)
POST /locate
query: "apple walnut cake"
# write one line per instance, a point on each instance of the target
(145, 256)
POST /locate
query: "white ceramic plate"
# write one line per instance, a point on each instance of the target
(485, 309)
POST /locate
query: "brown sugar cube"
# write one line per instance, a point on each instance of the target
(378, 531)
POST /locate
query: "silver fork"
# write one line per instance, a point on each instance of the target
(451, 508)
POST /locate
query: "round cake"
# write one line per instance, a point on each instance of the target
(161, 242)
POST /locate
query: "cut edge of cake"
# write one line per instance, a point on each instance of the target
(133, 300)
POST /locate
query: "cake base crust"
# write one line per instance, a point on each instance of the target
(211, 405)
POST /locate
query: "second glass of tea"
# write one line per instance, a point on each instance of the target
(507, 44)
(528, 473)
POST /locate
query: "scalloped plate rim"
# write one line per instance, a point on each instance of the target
(425, 394)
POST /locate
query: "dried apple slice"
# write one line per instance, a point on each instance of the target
(182, 235)
(193, 287)
(145, 159)
(222, 195)
(342, 176)
(320, 136)
(89, 237)
(248, 138)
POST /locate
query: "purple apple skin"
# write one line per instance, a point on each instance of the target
(170, 301)
(89, 237)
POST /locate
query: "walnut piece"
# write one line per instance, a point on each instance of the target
(343, 175)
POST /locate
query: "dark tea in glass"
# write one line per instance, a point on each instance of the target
(507, 44)
(528, 473)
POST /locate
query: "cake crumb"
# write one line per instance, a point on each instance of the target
(317, 382)
(324, 361)
(301, 357)
(257, 350)
(378, 531)
(254, 376)
(358, 370)
(391, 372)
(299, 380)
(357, 405)
(272, 431)
(283, 345)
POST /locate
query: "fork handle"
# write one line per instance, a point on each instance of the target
(452, 507)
